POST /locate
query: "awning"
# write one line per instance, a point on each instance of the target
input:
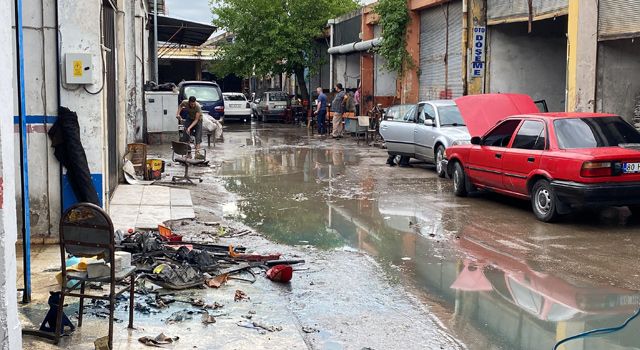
(180, 31)
(355, 47)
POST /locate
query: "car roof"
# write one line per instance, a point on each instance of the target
(233, 93)
(198, 82)
(439, 103)
(564, 115)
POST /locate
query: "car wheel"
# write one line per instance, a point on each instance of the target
(544, 201)
(459, 180)
(440, 170)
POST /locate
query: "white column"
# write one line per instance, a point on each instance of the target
(10, 332)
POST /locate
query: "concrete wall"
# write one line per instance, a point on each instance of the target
(533, 64)
(618, 77)
(10, 332)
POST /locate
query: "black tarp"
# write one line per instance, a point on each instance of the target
(65, 138)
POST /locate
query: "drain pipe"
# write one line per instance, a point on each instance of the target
(24, 163)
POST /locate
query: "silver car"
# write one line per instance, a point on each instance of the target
(425, 131)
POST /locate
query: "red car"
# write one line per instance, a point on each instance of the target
(559, 161)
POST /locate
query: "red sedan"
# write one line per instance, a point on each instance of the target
(559, 161)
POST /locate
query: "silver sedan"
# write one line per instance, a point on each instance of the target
(425, 131)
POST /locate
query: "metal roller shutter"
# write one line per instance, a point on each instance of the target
(618, 19)
(501, 11)
(440, 79)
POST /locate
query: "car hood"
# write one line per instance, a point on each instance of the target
(482, 112)
(455, 132)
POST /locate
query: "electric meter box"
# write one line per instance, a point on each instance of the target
(78, 68)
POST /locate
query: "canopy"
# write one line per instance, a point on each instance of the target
(180, 31)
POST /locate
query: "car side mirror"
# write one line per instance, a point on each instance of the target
(476, 140)
(429, 122)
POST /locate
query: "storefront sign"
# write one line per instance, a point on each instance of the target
(479, 48)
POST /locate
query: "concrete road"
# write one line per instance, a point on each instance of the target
(484, 266)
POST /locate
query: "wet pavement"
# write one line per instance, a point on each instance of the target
(495, 276)
(395, 261)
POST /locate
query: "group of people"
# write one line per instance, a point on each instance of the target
(338, 108)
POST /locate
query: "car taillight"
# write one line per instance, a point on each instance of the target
(219, 109)
(596, 169)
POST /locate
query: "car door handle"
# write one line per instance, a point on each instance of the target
(531, 159)
(499, 155)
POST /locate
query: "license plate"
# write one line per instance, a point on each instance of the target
(630, 168)
(235, 106)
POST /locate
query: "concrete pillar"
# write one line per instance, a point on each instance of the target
(410, 82)
(477, 67)
(10, 332)
(582, 55)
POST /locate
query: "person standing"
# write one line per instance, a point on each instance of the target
(321, 111)
(338, 108)
(190, 115)
(356, 100)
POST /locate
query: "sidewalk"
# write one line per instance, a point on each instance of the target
(144, 207)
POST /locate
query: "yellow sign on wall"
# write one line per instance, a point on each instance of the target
(77, 68)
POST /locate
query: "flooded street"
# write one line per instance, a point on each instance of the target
(494, 276)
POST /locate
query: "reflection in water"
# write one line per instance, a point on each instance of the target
(497, 299)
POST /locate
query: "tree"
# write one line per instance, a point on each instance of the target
(273, 36)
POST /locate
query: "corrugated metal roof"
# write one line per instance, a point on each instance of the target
(510, 10)
(618, 19)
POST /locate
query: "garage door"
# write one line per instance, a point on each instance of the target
(618, 19)
(441, 52)
(501, 11)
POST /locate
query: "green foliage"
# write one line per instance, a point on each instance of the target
(272, 36)
(394, 20)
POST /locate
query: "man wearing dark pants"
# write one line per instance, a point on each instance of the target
(321, 111)
(190, 115)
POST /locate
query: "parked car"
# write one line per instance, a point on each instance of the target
(273, 105)
(559, 161)
(208, 95)
(236, 107)
(424, 131)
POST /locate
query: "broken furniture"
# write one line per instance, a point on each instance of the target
(87, 231)
(183, 152)
(137, 154)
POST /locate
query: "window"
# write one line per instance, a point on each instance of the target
(205, 93)
(530, 136)
(501, 135)
(428, 112)
(234, 98)
(398, 112)
(450, 116)
(278, 97)
(594, 132)
(410, 115)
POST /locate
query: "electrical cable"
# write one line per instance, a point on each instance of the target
(598, 331)
(102, 48)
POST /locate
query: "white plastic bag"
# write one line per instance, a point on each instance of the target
(208, 123)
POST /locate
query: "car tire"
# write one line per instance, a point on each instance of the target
(459, 180)
(544, 201)
(439, 156)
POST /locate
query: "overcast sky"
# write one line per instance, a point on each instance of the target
(193, 10)
(198, 10)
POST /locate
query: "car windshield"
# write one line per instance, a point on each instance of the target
(206, 93)
(234, 98)
(278, 97)
(594, 132)
(450, 116)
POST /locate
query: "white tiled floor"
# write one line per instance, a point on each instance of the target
(145, 207)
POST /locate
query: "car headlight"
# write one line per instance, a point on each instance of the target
(461, 142)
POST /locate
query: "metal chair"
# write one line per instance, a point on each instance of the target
(183, 152)
(87, 231)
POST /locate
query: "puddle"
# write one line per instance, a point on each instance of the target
(485, 267)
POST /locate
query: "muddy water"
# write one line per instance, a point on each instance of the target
(504, 280)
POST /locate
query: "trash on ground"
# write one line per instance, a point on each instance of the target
(160, 339)
(261, 327)
(280, 273)
(208, 319)
(309, 329)
(240, 296)
(180, 316)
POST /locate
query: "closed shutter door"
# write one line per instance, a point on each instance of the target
(618, 19)
(499, 11)
(440, 79)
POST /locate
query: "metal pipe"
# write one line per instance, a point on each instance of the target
(331, 56)
(155, 40)
(24, 161)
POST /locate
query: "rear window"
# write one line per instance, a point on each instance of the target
(278, 97)
(206, 93)
(594, 132)
(234, 98)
